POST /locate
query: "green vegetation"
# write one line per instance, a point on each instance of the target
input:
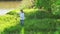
(37, 21)
(33, 23)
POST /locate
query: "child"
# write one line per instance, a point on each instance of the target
(21, 17)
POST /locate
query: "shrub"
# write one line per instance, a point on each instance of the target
(32, 13)
(14, 13)
(40, 25)
(12, 30)
(38, 14)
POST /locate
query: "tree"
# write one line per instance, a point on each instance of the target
(47, 4)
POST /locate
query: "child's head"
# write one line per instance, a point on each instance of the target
(21, 10)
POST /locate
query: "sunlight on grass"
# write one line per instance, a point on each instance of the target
(25, 10)
(22, 30)
(6, 21)
(30, 10)
(57, 32)
(58, 19)
(39, 33)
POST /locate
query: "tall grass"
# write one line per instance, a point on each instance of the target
(36, 22)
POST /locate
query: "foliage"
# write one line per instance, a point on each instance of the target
(12, 23)
(56, 8)
(43, 3)
(25, 4)
(47, 4)
(35, 20)
(32, 13)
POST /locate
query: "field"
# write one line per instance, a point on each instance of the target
(36, 22)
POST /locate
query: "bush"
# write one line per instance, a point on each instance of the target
(14, 13)
(32, 13)
(7, 21)
(11, 13)
(38, 14)
(12, 30)
(41, 14)
(40, 25)
(56, 15)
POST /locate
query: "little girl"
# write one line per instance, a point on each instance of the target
(21, 17)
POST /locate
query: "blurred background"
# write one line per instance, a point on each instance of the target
(41, 16)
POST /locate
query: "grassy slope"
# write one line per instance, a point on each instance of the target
(8, 23)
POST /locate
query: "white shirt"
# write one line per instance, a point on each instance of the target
(21, 16)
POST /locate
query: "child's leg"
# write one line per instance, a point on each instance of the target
(22, 22)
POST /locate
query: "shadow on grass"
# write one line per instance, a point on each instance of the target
(12, 30)
(33, 26)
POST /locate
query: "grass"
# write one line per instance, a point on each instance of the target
(22, 30)
(10, 24)
(7, 21)
(33, 26)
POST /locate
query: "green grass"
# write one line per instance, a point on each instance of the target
(7, 21)
(22, 30)
(31, 25)
(10, 23)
